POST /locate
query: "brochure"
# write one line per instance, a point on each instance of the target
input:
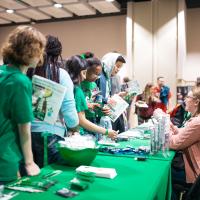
(132, 87)
(141, 104)
(46, 99)
(117, 106)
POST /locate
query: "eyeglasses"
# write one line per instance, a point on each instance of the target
(189, 97)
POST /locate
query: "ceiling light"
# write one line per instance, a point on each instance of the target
(110, 0)
(58, 5)
(10, 11)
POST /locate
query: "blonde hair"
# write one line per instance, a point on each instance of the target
(147, 92)
(196, 95)
(23, 44)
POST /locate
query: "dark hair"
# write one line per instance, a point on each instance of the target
(121, 59)
(159, 77)
(92, 63)
(51, 65)
(126, 79)
(74, 66)
(87, 55)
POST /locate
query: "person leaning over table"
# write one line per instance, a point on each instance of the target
(187, 139)
(52, 69)
(23, 50)
(112, 63)
(77, 69)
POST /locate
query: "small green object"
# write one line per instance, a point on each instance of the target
(86, 176)
(89, 174)
(78, 184)
(106, 133)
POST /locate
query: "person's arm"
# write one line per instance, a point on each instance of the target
(25, 142)
(68, 107)
(174, 129)
(123, 94)
(93, 127)
(186, 136)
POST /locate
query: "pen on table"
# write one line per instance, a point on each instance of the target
(51, 174)
(24, 189)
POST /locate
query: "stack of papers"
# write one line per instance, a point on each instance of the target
(141, 104)
(135, 133)
(108, 143)
(99, 172)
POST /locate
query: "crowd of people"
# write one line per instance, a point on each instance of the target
(26, 53)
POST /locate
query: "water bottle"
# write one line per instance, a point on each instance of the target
(167, 130)
(152, 140)
(106, 123)
(99, 100)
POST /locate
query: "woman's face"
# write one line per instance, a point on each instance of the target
(116, 68)
(191, 103)
(34, 62)
(93, 75)
(38, 57)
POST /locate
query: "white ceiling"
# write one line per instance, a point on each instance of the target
(40, 10)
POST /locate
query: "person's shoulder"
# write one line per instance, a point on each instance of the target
(93, 85)
(195, 121)
(63, 70)
(166, 87)
(21, 79)
(64, 77)
(78, 89)
(156, 89)
(78, 92)
(63, 73)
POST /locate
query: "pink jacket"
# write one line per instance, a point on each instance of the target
(188, 138)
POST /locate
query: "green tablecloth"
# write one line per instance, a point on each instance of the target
(136, 180)
(141, 142)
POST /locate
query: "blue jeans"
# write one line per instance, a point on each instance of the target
(38, 148)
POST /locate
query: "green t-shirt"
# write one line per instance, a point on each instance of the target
(81, 104)
(89, 89)
(15, 108)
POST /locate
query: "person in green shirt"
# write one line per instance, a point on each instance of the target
(91, 91)
(77, 69)
(23, 49)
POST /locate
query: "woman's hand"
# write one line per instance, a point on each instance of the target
(173, 128)
(106, 110)
(122, 94)
(32, 169)
(93, 105)
(112, 134)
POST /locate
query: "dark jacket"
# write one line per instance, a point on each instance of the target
(101, 83)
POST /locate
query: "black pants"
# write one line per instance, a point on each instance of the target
(38, 149)
(119, 124)
(178, 175)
